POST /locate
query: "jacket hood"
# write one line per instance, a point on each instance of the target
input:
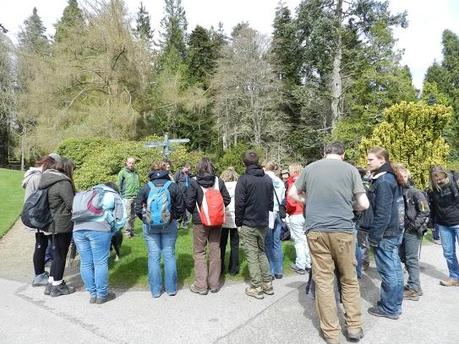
(255, 170)
(277, 182)
(206, 180)
(382, 170)
(157, 174)
(50, 177)
(31, 172)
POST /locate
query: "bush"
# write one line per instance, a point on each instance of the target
(233, 157)
(100, 160)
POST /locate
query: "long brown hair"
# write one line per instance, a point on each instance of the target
(437, 170)
(205, 166)
(382, 153)
(45, 162)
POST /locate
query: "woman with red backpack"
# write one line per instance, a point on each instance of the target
(206, 199)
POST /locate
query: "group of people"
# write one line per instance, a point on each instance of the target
(334, 214)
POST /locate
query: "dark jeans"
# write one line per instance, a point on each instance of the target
(61, 248)
(233, 266)
(409, 254)
(390, 270)
(41, 246)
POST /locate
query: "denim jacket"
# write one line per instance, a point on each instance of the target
(383, 193)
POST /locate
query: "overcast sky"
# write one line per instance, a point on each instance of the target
(421, 41)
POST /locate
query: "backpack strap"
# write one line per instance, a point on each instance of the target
(216, 186)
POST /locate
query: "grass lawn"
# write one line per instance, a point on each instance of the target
(131, 269)
(11, 198)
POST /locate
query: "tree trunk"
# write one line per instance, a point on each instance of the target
(336, 80)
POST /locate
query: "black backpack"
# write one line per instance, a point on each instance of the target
(36, 213)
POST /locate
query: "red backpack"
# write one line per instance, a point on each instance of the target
(212, 210)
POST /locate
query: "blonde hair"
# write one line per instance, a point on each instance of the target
(270, 165)
(295, 168)
(229, 175)
(158, 166)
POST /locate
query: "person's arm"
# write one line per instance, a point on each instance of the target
(382, 212)
(121, 179)
(178, 205)
(361, 201)
(191, 196)
(224, 191)
(141, 200)
(239, 202)
(295, 195)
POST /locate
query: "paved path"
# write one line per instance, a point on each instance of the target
(27, 316)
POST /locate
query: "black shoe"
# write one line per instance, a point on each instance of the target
(278, 276)
(61, 289)
(110, 296)
(354, 335)
(376, 311)
(48, 289)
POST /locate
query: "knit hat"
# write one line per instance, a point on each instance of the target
(55, 156)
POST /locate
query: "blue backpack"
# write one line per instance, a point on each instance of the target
(158, 211)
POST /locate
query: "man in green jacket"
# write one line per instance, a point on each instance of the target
(128, 182)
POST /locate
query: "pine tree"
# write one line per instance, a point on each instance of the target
(143, 28)
(204, 48)
(72, 21)
(446, 77)
(173, 34)
(32, 37)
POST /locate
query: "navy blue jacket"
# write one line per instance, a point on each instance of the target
(383, 194)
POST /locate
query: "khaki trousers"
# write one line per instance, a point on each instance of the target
(330, 251)
(206, 278)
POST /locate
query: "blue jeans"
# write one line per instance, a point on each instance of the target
(273, 245)
(359, 259)
(390, 270)
(162, 243)
(449, 235)
(94, 249)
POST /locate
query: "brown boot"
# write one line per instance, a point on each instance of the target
(450, 283)
(267, 288)
(410, 294)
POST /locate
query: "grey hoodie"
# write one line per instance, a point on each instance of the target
(31, 181)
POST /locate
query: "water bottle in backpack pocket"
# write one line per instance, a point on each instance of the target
(158, 211)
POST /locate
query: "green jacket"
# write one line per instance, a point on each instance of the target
(128, 182)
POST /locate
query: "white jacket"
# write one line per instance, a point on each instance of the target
(230, 221)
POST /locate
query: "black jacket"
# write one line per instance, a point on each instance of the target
(445, 203)
(60, 198)
(416, 210)
(159, 178)
(195, 194)
(383, 194)
(254, 198)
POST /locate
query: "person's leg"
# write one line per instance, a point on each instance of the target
(250, 243)
(296, 225)
(448, 241)
(129, 204)
(234, 255)
(262, 260)
(168, 241)
(343, 252)
(49, 251)
(278, 254)
(61, 248)
(390, 270)
(323, 274)
(100, 247)
(223, 242)
(83, 245)
(214, 259)
(411, 243)
(200, 237)
(153, 241)
(41, 244)
(269, 248)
